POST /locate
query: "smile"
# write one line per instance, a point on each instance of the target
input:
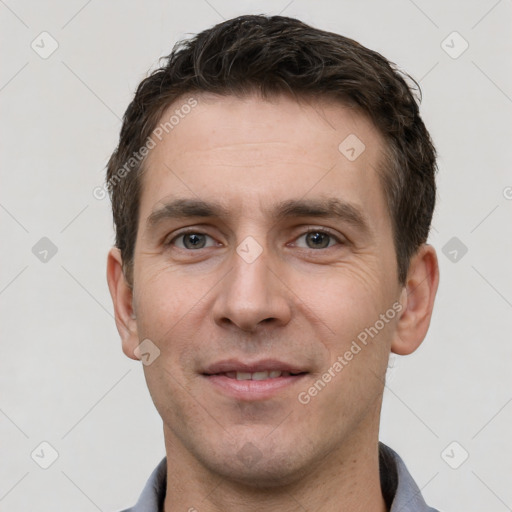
(264, 375)
(252, 381)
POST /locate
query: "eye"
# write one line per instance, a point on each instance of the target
(192, 240)
(317, 239)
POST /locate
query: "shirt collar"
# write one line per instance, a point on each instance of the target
(398, 487)
(402, 491)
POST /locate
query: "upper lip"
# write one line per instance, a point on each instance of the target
(235, 365)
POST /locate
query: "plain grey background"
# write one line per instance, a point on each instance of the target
(63, 377)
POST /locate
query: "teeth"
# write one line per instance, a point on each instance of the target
(256, 375)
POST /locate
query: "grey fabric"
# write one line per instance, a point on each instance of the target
(398, 486)
(407, 496)
(153, 494)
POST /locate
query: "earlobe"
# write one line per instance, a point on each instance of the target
(122, 298)
(420, 291)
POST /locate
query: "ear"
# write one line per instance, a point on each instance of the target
(122, 298)
(417, 300)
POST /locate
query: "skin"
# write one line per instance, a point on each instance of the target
(297, 302)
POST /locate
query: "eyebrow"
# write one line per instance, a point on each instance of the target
(185, 208)
(325, 208)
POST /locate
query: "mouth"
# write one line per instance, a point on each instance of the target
(253, 381)
(262, 375)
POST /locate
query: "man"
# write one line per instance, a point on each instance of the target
(272, 191)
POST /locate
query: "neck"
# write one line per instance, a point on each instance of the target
(346, 479)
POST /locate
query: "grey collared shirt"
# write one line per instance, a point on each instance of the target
(398, 487)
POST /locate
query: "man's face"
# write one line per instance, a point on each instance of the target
(264, 248)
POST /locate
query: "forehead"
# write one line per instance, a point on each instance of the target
(249, 153)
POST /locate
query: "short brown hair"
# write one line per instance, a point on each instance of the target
(275, 55)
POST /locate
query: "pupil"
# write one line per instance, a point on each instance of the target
(194, 240)
(318, 239)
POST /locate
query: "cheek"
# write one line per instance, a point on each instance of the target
(344, 298)
(173, 401)
(166, 304)
(347, 307)
(162, 296)
(357, 343)
(172, 311)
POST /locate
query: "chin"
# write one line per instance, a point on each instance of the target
(258, 467)
(263, 475)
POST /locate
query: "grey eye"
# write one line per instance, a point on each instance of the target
(193, 241)
(316, 240)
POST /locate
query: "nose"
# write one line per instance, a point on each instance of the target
(252, 295)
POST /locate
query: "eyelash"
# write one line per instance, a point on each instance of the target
(323, 232)
(313, 230)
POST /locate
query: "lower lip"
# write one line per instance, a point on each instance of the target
(252, 389)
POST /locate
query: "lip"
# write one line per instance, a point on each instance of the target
(250, 390)
(235, 365)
